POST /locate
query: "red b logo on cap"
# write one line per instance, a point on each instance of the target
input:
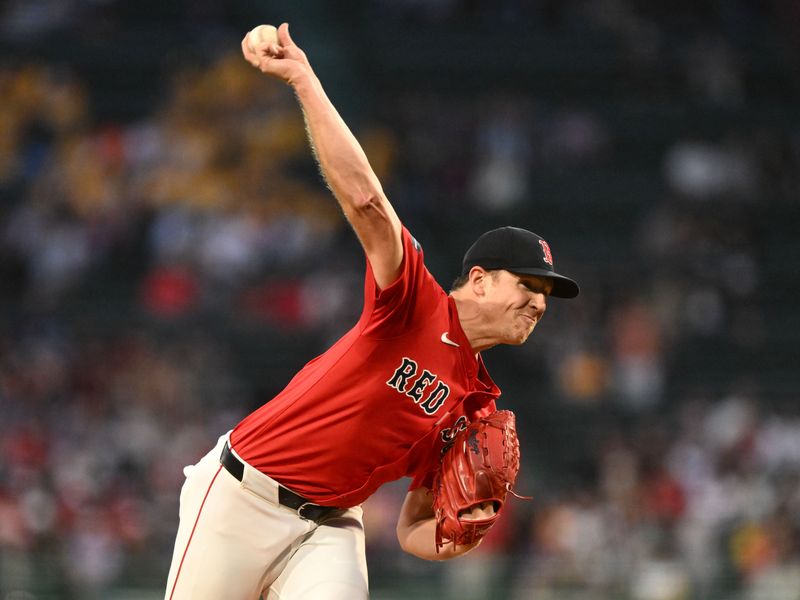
(548, 257)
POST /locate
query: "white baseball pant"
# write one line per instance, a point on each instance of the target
(236, 542)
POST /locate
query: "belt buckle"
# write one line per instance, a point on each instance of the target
(300, 511)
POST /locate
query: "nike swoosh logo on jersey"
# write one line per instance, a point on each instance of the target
(447, 340)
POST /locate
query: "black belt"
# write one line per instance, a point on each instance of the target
(305, 509)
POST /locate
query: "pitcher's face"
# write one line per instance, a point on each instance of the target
(515, 303)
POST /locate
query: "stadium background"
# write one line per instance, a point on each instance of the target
(169, 256)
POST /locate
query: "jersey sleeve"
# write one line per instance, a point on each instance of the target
(403, 305)
(422, 480)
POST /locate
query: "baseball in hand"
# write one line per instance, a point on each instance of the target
(260, 35)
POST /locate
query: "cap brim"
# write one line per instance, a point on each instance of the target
(563, 287)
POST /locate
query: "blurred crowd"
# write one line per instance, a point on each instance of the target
(94, 435)
(208, 180)
(671, 475)
(704, 504)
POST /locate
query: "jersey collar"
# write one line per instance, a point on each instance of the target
(472, 362)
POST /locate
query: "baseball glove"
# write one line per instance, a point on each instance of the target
(481, 466)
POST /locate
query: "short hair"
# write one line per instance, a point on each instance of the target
(461, 280)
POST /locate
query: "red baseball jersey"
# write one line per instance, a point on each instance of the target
(381, 403)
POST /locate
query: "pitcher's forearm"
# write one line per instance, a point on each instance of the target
(419, 539)
(341, 159)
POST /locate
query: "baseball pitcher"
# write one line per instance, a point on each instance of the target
(274, 510)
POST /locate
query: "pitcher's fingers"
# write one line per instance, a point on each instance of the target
(283, 35)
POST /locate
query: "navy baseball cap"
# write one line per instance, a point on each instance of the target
(518, 251)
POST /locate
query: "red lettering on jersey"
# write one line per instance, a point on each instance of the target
(406, 370)
(449, 433)
(400, 381)
(436, 398)
(548, 256)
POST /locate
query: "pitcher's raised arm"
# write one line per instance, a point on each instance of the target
(341, 159)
